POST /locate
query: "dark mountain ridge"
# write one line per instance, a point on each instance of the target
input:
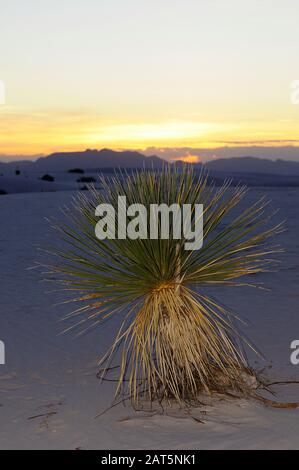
(105, 159)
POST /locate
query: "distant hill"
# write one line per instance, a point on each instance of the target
(254, 165)
(107, 159)
(104, 158)
(23, 164)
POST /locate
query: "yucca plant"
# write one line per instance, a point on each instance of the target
(173, 341)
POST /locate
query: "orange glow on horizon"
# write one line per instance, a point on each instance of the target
(189, 159)
(24, 132)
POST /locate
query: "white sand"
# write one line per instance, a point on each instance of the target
(54, 376)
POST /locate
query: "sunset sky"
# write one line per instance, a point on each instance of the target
(135, 74)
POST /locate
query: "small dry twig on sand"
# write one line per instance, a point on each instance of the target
(46, 415)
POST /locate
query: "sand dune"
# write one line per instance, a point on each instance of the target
(49, 394)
